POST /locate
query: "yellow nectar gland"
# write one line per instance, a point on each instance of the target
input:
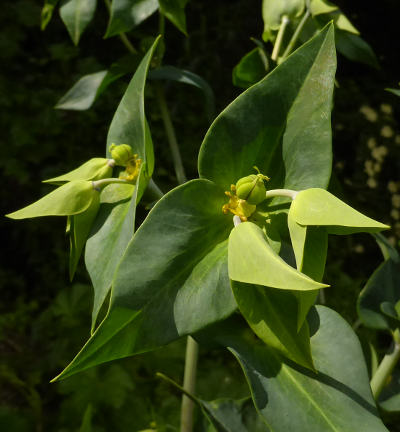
(237, 206)
(132, 169)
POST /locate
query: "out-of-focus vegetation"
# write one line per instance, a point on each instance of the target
(43, 317)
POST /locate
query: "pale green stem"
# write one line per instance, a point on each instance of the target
(104, 182)
(275, 52)
(281, 192)
(170, 131)
(295, 36)
(189, 382)
(385, 368)
(122, 35)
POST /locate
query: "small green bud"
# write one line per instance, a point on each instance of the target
(251, 188)
(121, 153)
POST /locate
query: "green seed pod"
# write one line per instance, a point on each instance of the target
(251, 188)
(121, 153)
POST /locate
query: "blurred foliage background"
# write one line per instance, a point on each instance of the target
(44, 319)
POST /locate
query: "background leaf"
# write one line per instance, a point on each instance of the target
(252, 68)
(174, 10)
(273, 124)
(127, 14)
(76, 15)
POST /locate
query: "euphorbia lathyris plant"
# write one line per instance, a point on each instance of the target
(201, 255)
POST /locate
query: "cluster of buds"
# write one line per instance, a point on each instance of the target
(123, 156)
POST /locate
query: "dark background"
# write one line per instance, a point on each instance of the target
(44, 319)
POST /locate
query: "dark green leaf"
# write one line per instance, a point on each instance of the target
(276, 126)
(293, 399)
(127, 14)
(186, 77)
(172, 279)
(356, 49)
(251, 68)
(382, 286)
(174, 10)
(389, 399)
(272, 314)
(76, 15)
(394, 91)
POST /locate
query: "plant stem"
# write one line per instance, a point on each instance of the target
(275, 52)
(281, 192)
(189, 382)
(170, 131)
(104, 182)
(385, 368)
(122, 35)
(295, 36)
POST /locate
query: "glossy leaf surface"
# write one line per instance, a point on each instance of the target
(276, 126)
(293, 399)
(317, 206)
(93, 169)
(252, 260)
(76, 15)
(69, 199)
(172, 279)
(272, 315)
(127, 14)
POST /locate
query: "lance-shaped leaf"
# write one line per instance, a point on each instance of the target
(318, 7)
(127, 14)
(69, 199)
(129, 125)
(79, 229)
(93, 169)
(252, 260)
(76, 15)
(272, 314)
(293, 399)
(276, 126)
(174, 10)
(317, 206)
(172, 279)
(251, 68)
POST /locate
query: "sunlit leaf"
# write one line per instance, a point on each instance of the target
(76, 15)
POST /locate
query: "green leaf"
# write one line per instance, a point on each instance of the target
(251, 68)
(388, 251)
(129, 124)
(79, 231)
(381, 287)
(127, 14)
(394, 91)
(274, 10)
(318, 7)
(272, 315)
(389, 399)
(47, 12)
(172, 73)
(252, 260)
(76, 15)
(111, 233)
(174, 10)
(172, 279)
(276, 126)
(317, 206)
(356, 49)
(93, 169)
(87, 89)
(292, 398)
(70, 199)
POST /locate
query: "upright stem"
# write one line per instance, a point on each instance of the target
(295, 36)
(385, 368)
(279, 37)
(169, 129)
(281, 192)
(189, 383)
